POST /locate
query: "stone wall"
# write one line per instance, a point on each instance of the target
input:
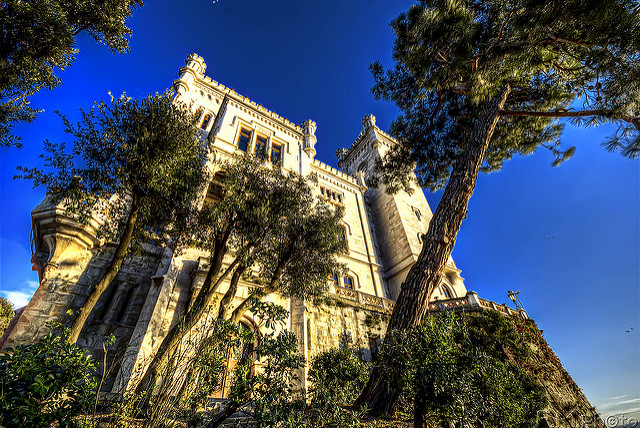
(337, 323)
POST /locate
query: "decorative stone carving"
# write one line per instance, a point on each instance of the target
(309, 138)
(369, 121)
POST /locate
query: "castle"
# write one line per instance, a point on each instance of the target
(383, 232)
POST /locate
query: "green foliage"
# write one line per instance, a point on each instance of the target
(568, 58)
(263, 378)
(6, 314)
(274, 381)
(45, 382)
(144, 149)
(37, 37)
(277, 225)
(454, 378)
(337, 375)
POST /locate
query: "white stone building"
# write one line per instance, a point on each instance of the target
(383, 231)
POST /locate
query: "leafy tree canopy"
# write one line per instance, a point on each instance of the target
(46, 382)
(142, 150)
(38, 36)
(136, 165)
(578, 59)
(6, 314)
(273, 231)
(479, 82)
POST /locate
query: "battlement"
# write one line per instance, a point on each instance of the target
(368, 122)
(208, 84)
(335, 171)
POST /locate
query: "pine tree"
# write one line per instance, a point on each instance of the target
(38, 36)
(479, 82)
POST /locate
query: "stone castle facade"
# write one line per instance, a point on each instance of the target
(150, 293)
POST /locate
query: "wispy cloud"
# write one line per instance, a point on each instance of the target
(635, 400)
(22, 295)
(618, 397)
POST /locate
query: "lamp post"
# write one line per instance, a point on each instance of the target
(516, 300)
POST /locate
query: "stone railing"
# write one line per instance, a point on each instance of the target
(381, 303)
(472, 302)
(469, 302)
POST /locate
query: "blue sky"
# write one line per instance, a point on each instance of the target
(568, 238)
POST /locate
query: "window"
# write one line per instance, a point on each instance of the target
(244, 139)
(333, 279)
(417, 212)
(446, 292)
(205, 121)
(348, 282)
(332, 195)
(261, 146)
(345, 240)
(276, 153)
(214, 191)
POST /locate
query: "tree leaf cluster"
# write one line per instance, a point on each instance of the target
(455, 371)
(45, 382)
(269, 229)
(38, 39)
(6, 314)
(283, 236)
(573, 58)
(143, 149)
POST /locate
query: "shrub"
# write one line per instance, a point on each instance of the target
(45, 382)
(337, 374)
(455, 377)
(6, 314)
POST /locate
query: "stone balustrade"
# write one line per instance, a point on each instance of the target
(470, 302)
(382, 304)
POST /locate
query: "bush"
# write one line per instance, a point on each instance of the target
(45, 382)
(337, 374)
(454, 377)
(6, 314)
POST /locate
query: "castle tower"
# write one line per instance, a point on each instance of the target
(399, 219)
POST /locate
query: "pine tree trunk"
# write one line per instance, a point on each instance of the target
(426, 273)
(112, 271)
(180, 329)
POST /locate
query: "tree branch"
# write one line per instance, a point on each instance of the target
(635, 121)
(557, 38)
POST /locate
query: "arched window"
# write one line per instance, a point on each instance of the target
(333, 279)
(345, 239)
(417, 212)
(348, 282)
(205, 121)
(446, 292)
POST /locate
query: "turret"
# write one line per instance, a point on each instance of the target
(309, 137)
(193, 70)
